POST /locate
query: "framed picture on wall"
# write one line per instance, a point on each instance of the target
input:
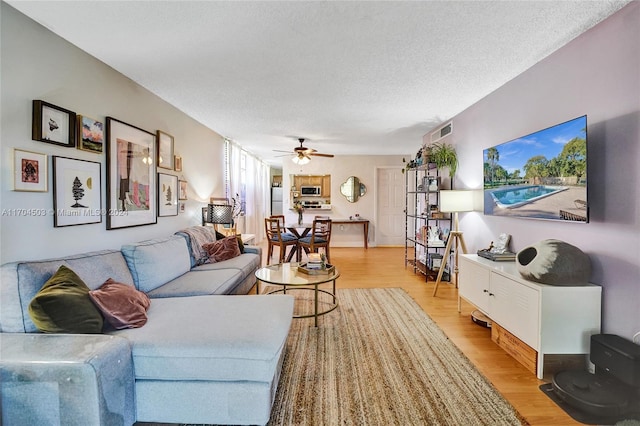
(178, 163)
(165, 150)
(90, 134)
(182, 190)
(167, 195)
(29, 171)
(53, 124)
(131, 175)
(77, 198)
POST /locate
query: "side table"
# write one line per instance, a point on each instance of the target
(66, 379)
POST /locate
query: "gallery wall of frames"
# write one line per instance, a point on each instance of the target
(143, 171)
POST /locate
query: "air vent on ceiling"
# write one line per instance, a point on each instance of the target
(441, 132)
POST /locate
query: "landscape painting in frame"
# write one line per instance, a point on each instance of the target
(540, 176)
(77, 199)
(167, 195)
(91, 134)
(30, 171)
(131, 183)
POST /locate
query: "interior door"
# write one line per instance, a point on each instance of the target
(390, 193)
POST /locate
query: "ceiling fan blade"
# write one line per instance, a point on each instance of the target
(317, 154)
(279, 150)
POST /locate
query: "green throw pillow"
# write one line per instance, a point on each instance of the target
(63, 306)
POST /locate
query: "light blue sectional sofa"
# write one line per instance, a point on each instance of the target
(203, 356)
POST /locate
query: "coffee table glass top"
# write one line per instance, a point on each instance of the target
(288, 274)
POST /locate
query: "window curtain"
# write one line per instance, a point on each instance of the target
(254, 185)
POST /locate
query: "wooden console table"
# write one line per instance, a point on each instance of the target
(363, 222)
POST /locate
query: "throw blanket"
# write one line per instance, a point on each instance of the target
(199, 236)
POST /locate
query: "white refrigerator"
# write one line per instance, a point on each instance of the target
(276, 200)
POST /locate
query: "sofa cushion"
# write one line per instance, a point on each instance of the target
(155, 262)
(224, 249)
(63, 306)
(246, 263)
(244, 345)
(198, 284)
(122, 305)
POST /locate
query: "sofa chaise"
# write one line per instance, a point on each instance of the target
(202, 357)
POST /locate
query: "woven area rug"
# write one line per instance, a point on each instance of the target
(380, 360)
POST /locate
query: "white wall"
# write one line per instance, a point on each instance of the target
(340, 168)
(597, 74)
(37, 64)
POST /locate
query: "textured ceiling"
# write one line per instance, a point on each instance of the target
(353, 77)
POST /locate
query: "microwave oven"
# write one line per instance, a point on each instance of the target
(310, 191)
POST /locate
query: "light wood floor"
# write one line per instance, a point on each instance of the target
(384, 267)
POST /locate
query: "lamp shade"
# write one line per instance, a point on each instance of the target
(301, 159)
(457, 200)
(218, 213)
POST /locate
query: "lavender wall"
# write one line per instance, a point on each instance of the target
(597, 74)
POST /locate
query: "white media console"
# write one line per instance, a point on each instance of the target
(550, 319)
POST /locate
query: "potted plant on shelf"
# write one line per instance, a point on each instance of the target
(439, 153)
(443, 155)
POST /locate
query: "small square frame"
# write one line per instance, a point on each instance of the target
(77, 193)
(90, 134)
(53, 124)
(29, 171)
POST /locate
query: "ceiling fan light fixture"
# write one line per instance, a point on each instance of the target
(300, 160)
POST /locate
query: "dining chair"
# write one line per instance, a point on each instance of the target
(281, 221)
(319, 237)
(276, 237)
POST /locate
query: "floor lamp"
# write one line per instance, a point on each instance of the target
(454, 201)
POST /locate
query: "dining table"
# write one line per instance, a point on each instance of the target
(300, 230)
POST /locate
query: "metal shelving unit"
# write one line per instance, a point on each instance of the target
(422, 213)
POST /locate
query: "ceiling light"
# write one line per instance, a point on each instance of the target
(300, 160)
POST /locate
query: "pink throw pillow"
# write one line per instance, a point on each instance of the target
(224, 249)
(122, 305)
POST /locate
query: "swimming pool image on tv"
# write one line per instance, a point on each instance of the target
(515, 197)
(542, 175)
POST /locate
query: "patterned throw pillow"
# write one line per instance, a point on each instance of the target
(122, 305)
(63, 306)
(224, 249)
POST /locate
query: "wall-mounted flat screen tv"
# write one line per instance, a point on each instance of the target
(539, 176)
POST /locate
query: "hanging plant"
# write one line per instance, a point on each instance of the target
(444, 155)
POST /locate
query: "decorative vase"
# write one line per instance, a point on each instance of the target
(299, 218)
(554, 262)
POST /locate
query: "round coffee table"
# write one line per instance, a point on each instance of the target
(289, 277)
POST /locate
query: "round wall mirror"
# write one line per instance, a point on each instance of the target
(353, 189)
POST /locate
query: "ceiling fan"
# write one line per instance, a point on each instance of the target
(302, 155)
